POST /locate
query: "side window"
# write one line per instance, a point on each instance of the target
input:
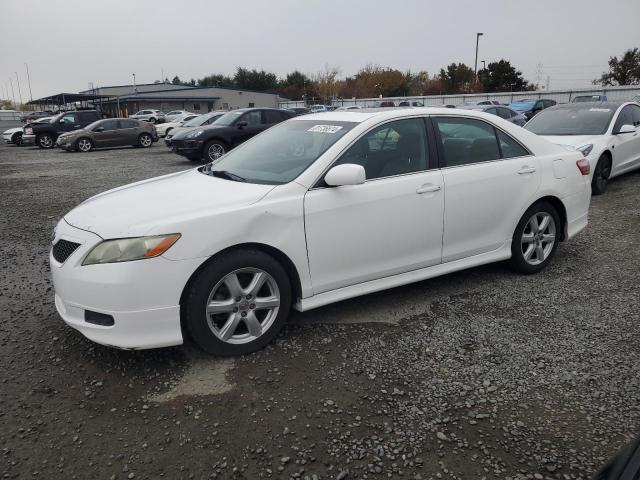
(492, 111)
(128, 124)
(504, 112)
(109, 125)
(635, 113)
(510, 148)
(271, 116)
(549, 103)
(624, 118)
(395, 148)
(252, 118)
(69, 118)
(466, 141)
(539, 105)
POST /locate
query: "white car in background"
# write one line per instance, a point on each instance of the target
(173, 114)
(607, 134)
(314, 210)
(164, 128)
(153, 116)
(14, 135)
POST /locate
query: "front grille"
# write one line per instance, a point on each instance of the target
(63, 250)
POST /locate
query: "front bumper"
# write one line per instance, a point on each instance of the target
(28, 139)
(65, 143)
(187, 148)
(7, 137)
(143, 297)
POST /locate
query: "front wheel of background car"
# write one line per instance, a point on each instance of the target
(601, 175)
(213, 150)
(145, 140)
(17, 139)
(84, 145)
(152, 120)
(536, 238)
(238, 303)
(44, 140)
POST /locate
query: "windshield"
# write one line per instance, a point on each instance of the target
(281, 153)
(593, 98)
(571, 121)
(229, 118)
(93, 125)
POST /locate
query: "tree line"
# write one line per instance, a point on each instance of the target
(375, 81)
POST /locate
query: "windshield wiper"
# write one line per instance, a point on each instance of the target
(227, 175)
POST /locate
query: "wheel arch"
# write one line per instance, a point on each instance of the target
(277, 254)
(14, 136)
(560, 208)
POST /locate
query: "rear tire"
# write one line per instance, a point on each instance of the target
(601, 175)
(536, 238)
(45, 140)
(238, 303)
(145, 140)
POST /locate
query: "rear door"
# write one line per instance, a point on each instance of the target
(489, 179)
(129, 131)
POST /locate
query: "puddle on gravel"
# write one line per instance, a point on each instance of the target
(205, 376)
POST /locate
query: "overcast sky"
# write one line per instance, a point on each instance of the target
(69, 43)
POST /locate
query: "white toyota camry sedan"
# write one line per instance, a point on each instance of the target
(315, 210)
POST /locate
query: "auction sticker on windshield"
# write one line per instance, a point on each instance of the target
(606, 110)
(325, 128)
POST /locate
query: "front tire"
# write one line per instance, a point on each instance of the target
(238, 303)
(601, 175)
(536, 238)
(152, 120)
(17, 139)
(213, 150)
(45, 140)
(84, 144)
(145, 140)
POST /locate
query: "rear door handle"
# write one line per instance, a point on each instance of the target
(428, 188)
(525, 170)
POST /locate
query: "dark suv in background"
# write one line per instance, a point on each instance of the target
(45, 134)
(211, 142)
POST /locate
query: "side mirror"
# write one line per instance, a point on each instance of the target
(626, 129)
(98, 129)
(346, 174)
(241, 125)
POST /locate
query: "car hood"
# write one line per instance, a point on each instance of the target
(13, 130)
(159, 204)
(179, 134)
(572, 140)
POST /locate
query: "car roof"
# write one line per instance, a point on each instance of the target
(481, 107)
(585, 105)
(365, 114)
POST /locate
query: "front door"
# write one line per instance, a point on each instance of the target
(626, 152)
(389, 225)
(488, 177)
(108, 134)
(252, 125)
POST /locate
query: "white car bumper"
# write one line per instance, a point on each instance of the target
(140, 300)
(7, 137)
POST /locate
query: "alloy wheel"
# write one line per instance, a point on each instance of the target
(243, 305)
(601, 175)
(215, 151)
(145, 140)
(538, 238)
(46, 141)
(84, 145)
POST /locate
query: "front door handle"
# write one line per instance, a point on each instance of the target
(428, 188)
(524, 170)
(76, 126)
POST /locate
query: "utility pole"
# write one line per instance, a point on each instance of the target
(162, 76)
(19, 92)
(135, 89)
(13, 94)
(29, 81)
(475, 68)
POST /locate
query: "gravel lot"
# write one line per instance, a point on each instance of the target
(478, 374)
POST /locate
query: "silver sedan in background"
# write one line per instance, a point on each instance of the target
(509, 114)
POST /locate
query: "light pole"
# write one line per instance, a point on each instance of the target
(19, 92)
(29, 82)
(13, 94)
(475, 68)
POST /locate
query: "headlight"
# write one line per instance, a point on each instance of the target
(585, 149)
(128, 249)
(28, 131)
(194, 134)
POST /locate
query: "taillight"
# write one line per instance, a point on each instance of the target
(584, 166)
